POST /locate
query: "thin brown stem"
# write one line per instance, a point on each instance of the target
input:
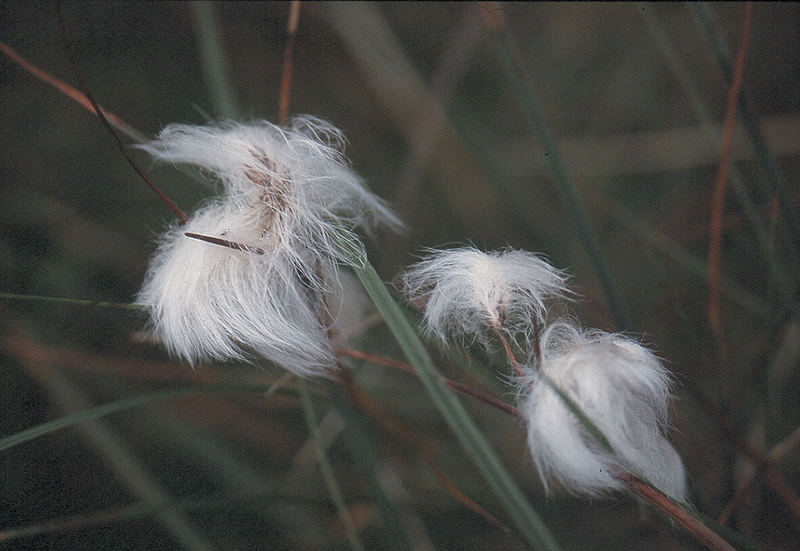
(79, 77)
(720, 189)
(286, 77)
(458, 387)
(509, 353)
(693, 525)
(71, 93)
(225, 243)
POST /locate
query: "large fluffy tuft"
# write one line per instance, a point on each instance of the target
(294, 180)
(624, 389)
(468, 293)
(286, 191)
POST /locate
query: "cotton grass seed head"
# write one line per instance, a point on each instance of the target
(290, 200)
(294, 180)
(213, 302)
(468, 294)
(625, 391)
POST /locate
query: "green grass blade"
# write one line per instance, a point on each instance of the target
(326, 469)
(363, 453)
(505, 489)
(565, 186)
(74, 301)
(120, 405)
(212, 59)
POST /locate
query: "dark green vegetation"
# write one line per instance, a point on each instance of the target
(632, 95)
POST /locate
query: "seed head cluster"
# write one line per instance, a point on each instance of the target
(291, 206)
(617, 383)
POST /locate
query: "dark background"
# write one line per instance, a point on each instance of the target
(77, 222)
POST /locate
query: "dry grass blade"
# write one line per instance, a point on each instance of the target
(71, 93)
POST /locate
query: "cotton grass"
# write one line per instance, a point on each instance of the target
(624, 390)
(468, 294)
(290, 201)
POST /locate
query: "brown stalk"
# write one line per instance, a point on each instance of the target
(399, 430)
(286, 77)
(70, 92)
(79, 77)
(225, 243)
(694, 526)
(720, 189)
(458, 387)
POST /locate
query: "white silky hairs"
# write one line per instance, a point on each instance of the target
(469, 293)
(624, 389)
(288, 193)
(616, 382)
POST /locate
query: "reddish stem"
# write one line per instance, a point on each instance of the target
(458, 387)
(720, 189)
(693, 525)
(79, 77)
(286, 77)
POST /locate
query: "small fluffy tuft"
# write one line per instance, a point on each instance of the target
(468, 293)
(624, 389)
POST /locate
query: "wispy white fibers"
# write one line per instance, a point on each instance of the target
(210, 301)
(286, 192)
(469, 293)
(625, 391)
(295, 178)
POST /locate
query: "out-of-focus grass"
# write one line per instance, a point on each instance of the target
(76, 222)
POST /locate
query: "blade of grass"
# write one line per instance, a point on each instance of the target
(518, 79)
(74, 301)
(505, 489)
(118, 456)
(121, 405)
(363, 452)
(104, 517)
(326, 469)
(213, 59)
(424, 449)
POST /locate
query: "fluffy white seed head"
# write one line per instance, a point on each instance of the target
(210, 301)
(287, 192)
(468, 293)
(624, 389)
(293, 180)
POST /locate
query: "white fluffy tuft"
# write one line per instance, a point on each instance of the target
(286, 191)
(468, 292)
(294, 180)
(625, 390)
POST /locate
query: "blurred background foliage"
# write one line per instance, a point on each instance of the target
(436, 129)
